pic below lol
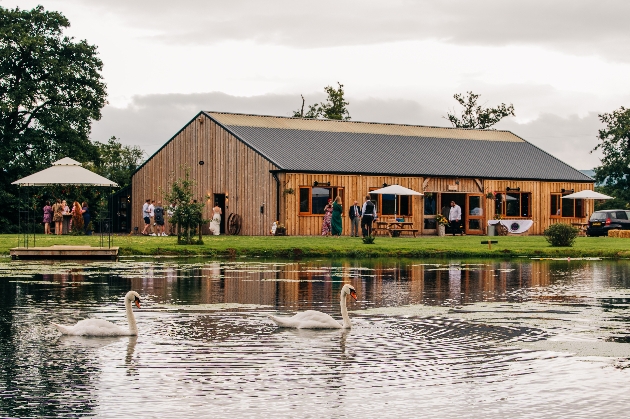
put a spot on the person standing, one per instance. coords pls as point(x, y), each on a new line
point(159, 219)
point(455, 218)
point(215, 224)
point(146, 216)
point(335, 221)
point(355, 219)
point(152, 217)
point(369, 214)
point(48, 214)
point(326, 227)
point(58, 217)
point(170, 212)
point(85, 211)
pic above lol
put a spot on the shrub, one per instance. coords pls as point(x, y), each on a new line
point(560, 234)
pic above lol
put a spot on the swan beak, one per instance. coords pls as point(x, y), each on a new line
point(353, 294)
point(137, 301)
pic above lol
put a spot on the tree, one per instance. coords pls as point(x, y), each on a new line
point(614, 173)
point(188, 214)
point(115, 161)
point(333, 108)
point(476, 117)
point(51, 90)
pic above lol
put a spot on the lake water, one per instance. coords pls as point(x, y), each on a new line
point(482, 339)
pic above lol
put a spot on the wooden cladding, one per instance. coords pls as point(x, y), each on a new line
point(245, 178)
point(230, 167)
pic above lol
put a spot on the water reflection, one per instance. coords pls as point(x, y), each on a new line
point(451, 334)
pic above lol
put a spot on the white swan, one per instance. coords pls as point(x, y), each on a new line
point(100, 327)
point(316, 319)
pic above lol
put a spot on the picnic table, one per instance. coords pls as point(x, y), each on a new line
point(396, 228)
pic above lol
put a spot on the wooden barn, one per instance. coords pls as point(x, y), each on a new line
point(264, 168)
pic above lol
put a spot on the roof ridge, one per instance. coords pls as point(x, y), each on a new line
point(361, 122)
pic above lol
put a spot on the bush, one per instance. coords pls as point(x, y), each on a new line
point(560, 234)
point(368, 239)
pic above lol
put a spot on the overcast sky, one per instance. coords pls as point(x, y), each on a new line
point(560, 62)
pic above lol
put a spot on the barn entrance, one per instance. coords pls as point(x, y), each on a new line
point(219, 199)
point(472, 211)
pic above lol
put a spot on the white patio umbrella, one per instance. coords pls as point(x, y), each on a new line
point(587, 194)
point(396, 190)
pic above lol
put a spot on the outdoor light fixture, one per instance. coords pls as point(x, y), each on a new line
point(508, 189)
point(316, 183)
point(201, 162)
point(567, 190)
point(385, 185)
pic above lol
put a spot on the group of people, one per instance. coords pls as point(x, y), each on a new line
point(54, 214)
point(154, 220)
point(359, 215)
point(154, 216)
point(366, 214)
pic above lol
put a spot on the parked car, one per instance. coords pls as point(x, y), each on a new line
point(602, 221)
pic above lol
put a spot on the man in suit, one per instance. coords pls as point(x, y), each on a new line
point(355, 219)
point(368, 215)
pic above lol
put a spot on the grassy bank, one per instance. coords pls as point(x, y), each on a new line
point(302, 246)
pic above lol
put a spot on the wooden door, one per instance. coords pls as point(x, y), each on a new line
point(474, 214)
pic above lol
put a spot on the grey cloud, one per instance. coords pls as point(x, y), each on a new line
point(575, 26)
point(151, 120)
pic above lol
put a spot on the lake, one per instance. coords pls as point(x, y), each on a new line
point(481, 339)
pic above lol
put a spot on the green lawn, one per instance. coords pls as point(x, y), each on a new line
point(316, 246)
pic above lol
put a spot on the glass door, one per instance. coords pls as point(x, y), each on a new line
point(474, 212)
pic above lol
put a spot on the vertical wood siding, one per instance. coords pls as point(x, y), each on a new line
point(230, 167)
point(234, 169)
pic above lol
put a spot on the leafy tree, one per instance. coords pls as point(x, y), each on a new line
point(476, 117)
point(614, 173)
point(51, 89)
point(188, 214)
point(333, 108)
point(115, 161)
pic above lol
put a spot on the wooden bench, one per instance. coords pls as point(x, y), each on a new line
point(395, 232)
point(490, 243)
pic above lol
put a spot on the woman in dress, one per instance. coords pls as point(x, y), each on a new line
point(77, 218)
point(215, 224)
point(58, 217)
point(336, 217)
point(48, 213)
point(328, 209)
point(85, 211)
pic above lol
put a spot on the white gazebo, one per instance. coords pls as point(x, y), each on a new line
point(64, 172)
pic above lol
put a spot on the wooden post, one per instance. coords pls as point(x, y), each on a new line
point(489, 243)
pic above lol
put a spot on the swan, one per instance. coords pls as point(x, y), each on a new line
point(100, 327)
point(316, 319)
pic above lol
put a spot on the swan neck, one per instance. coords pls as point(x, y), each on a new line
point(344, 311)
point(133, 329)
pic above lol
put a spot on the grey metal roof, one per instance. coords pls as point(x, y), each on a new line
point(303, 150)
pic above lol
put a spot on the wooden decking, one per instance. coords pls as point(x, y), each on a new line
point(65, 252)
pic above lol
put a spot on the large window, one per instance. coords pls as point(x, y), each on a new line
point(566, 207)
point(314, 199)
point(391, 204)
point(513, 204)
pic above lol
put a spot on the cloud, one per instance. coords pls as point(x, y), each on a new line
point(151, 120)
point(581, 27)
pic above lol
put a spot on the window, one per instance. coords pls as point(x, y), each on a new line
point(391, 204)
point(430, 205)
point(513, 204)
point(314, 199)
point(566, 207)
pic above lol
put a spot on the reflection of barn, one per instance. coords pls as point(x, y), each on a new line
point(267, 168)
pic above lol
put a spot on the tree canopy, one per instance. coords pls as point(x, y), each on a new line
point(51, 90)
point(335, 106)
point(116, 161)
point(475, 116)
point(614, 172)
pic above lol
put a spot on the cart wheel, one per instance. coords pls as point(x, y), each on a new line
point(234, 224)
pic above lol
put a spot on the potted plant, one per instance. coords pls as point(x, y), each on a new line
point(281, 230)
point(442, 223)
